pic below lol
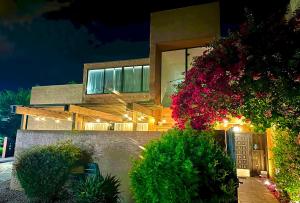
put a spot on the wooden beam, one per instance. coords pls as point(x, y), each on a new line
point(91, 112)
point(142, 109)
point(41, 112)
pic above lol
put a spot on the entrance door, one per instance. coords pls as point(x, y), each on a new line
point(242, 153)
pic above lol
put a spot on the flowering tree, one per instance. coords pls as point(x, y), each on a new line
point(255, 72)
point(206, 95)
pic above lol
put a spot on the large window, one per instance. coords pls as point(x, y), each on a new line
point(174, 65)
point(121, 79)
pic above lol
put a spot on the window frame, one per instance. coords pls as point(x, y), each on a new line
point(122, 80)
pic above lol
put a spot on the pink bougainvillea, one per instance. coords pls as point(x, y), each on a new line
point(206, 94)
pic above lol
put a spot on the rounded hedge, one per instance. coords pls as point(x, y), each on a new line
point(43, 171)
point(184, 166)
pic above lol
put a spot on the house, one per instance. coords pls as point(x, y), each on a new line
point(128, 95)
point(122, 105)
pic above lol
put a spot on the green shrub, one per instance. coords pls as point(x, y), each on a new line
point(43, 171)
point(98, 189)
point(184, 166)
point(287, 162)
point(1, 149)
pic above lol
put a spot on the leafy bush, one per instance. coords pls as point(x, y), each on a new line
point(184, 166)
point(98, 189)
point(287, 163)
point(43, 171)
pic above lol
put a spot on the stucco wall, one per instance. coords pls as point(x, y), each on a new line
point(113, 151)
point(187, 27)
point(57, 94)
point(193, 22)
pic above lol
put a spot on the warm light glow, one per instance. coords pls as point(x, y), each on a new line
point(139, 119)
point(225, 122)
point(69, 119)
point(116, 92)
point(130, 118)
point(57, 121)
point(152, 120)
point(267, 182)
point(126, 115)
point(141, 147)
point(163, 121)
point(98, 120)
point(37, 119)
point(236, 129)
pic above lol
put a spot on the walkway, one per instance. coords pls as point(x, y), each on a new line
point(5, 171)
point(253, 191)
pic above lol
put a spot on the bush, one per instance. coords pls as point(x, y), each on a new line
point(184, 166)
point(287, 162)
point(43, 171)
point(98, 189)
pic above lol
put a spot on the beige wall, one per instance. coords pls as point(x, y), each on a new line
point(57, 94)
point(113, 151)
point(177, 29)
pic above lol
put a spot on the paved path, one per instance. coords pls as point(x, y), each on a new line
point(253, 191)
point(5, 171)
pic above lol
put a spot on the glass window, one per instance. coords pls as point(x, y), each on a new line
point(132, 79)
point(126, 79)
point(137, 78)
point(118, 79)
point(109, 80)
point(146, 77)
point(172, 73)
point(193, 53)
point(95, 81)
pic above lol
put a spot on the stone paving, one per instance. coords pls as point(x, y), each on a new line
point(253, 191)
point(5, 171)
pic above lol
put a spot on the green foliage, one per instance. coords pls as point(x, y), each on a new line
point(184, 166)
point(9, 123)
point(287, 161)
point(43, 171)
point(98, 189)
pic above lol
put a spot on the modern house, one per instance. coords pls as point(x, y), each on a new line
point(128, 95)
point(122, 105)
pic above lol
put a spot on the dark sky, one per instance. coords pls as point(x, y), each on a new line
point(44, 42)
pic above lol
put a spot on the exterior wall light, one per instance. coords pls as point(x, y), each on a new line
point(236, 129)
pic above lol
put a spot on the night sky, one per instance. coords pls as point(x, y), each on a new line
point(45, 42)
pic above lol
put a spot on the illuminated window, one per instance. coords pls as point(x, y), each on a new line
point(121, 79)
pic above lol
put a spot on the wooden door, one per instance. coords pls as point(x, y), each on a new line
point(243, 153)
